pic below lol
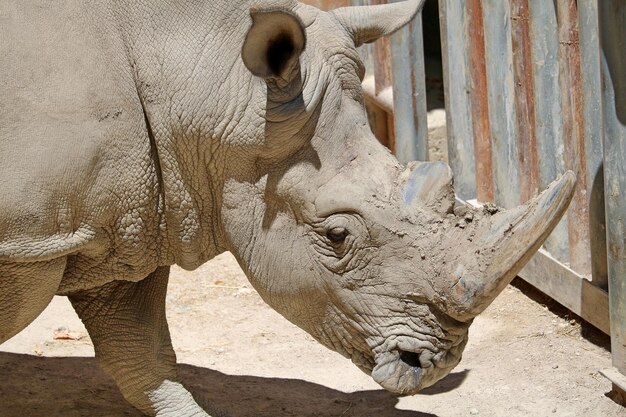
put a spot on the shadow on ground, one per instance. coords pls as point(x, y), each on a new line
point(70, 387)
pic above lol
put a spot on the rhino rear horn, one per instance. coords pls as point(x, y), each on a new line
point(368, 23)
point(429, 184)
point(274, 42)
point(503, 245)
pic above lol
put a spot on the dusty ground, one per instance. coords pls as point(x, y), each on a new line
point(522, 360)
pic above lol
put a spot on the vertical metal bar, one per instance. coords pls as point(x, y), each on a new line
point(409, 92)
point(573, 133)
point(524, 99)
point(454, 29)
point(592, 110)
point(548, 113)
point(479, 102)
point(501, 93)
point(613, 38)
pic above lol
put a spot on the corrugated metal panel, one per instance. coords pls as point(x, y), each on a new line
point(541, 60)
point(573, 133)
point(522, 64)
point(613, 27)
point(548, 112)
point(528, 66)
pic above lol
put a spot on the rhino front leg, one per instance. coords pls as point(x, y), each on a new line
point(127, 324)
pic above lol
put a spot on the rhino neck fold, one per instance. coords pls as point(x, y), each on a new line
point(195, 110)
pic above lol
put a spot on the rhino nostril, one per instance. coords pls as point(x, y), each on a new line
point(410, 358)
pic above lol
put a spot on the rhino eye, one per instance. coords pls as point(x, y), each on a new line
point(337, 234)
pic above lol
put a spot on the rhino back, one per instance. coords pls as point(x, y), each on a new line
point(74, 152)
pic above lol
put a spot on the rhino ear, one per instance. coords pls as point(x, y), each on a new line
point(368, 23)
point(274, 43)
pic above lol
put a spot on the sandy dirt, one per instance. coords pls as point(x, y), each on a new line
point(522, 360)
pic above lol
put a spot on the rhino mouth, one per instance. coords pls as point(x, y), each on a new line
point(410, 358)
point(407, 368)
point(399, 371)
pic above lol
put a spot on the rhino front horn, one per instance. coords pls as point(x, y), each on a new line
point(502, 245)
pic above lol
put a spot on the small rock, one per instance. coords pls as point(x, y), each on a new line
point(63, 333)
point(474, 412)
point(490, 208)
point(460, 211)
point(555, 366)
point(245, 291)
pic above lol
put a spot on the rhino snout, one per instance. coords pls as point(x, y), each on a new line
point(406, 367)
point(399, 371)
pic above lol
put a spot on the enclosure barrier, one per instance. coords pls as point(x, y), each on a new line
point(532, 88)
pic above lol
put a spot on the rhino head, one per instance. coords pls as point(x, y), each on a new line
point(372, 258)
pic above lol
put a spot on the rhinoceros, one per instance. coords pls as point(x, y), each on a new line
point(135, 135)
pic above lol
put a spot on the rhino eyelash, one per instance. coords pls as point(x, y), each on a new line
point(341, 247)
point(325, 246)
point(339, 236)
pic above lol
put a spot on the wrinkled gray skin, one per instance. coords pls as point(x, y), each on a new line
point(135, 135)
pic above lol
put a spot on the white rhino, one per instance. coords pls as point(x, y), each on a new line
point(135, 135)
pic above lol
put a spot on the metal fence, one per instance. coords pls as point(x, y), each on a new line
point(532, 88)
